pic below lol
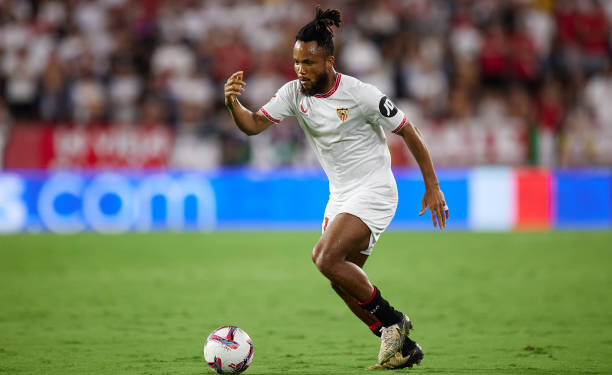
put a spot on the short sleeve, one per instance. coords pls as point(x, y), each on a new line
point(379, 109)
point(279, 106)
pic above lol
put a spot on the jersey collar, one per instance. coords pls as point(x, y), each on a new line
point(333, 89)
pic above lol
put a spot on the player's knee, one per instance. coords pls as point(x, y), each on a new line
point(316, 250)
point(325, 267)
point(326, 263)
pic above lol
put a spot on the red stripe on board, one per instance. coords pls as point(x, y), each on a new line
point(533, 199)
point(268, 116)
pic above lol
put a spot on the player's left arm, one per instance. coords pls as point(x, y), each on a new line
point(380, 110)
point(433, 198)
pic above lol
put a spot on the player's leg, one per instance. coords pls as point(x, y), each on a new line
point(411, 352)
point(344, 237)
point(347, 236)
point(358, 259)
point(365, 316)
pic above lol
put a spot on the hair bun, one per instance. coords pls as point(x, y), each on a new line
point(330, 17)
point(320, 29)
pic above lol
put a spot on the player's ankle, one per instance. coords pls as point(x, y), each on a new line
point(381, 309)
point(376, 328)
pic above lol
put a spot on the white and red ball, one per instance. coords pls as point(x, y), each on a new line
point(228, 350)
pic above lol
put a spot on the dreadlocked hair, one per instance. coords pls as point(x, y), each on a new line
point(320, 29)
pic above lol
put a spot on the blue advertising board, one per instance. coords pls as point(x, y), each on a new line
point(583, 199)
point(74, 201)
point(246, 199)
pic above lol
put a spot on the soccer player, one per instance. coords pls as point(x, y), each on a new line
point(343, 119)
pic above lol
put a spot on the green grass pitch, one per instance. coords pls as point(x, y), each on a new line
point(482, 303)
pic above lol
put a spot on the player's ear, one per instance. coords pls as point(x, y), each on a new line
point(329, 62)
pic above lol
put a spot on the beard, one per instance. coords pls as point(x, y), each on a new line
point(318, 85)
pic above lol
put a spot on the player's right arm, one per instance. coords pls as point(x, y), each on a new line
point(248, 122)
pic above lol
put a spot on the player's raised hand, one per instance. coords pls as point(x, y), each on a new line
point(234, 87)
point(434, 200)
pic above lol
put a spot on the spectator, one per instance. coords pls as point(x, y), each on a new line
point(597, 94)
point(194, 148)
point(174, 57)
point(578, 140)
point(592, 34)
point(493, 58)
point(426, 81)
point(465, 39)
point(54, 101)
point(123, 92)
point(21, 84)
point(87, 94)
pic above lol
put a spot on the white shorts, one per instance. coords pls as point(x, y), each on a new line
point(375, 209)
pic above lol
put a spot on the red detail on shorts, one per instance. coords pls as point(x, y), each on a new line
point(370, 299)
point(325, 224)
point(333, 90)
point(400, 125)
point(268, 116)
point(375, 326)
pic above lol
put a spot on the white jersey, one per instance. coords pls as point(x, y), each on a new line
point(345, 130)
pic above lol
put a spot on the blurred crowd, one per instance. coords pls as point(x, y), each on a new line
point(487, 81)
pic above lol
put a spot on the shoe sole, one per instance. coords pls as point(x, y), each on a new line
point(414, 358)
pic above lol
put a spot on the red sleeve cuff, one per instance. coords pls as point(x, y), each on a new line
point(268, 116)
point(400, 125)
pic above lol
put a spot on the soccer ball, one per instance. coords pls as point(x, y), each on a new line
point(228, 350)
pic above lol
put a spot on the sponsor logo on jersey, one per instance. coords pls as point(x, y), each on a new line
point(304, 110)
point(343, 113)
point(386, 107)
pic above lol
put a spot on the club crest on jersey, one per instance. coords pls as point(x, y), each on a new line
point(343, 113)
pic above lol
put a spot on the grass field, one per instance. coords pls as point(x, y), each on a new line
point(511, 303)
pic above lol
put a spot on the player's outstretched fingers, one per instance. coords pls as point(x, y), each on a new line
point(235, 78)
point(423, 208)
point(235, 84)
point(441, 218)
point(234, 88)
point(237, 74)
point(433, 216)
